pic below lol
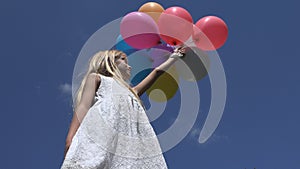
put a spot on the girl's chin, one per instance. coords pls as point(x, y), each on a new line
point(127, 78)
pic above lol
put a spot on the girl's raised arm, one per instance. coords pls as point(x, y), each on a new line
point(92, 83)
point(153, 76)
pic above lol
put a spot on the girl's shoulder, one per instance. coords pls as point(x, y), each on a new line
point(94, 76)
point(99, 77)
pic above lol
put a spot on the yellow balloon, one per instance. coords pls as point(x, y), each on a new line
point(167, 83)
point(153, 9)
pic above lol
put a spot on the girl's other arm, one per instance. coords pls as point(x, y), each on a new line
point(88, 94)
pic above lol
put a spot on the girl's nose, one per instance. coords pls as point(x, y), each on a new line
point(129, 67)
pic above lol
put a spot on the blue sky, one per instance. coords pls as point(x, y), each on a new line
point(40, 42)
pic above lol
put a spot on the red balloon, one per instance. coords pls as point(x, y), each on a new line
point(210, 33)
point(139, 30)
point(175, 25)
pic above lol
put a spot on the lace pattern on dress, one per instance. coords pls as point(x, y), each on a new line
point(115, 134)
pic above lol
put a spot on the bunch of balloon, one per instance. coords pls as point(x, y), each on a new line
point(159, 31)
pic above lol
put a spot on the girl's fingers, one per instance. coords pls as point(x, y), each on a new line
point(182, 50)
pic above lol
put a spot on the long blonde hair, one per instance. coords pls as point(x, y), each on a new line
point(103, 63)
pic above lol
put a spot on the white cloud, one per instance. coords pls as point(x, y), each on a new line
point(66, 88)
point(195, 133)
point(216, 138)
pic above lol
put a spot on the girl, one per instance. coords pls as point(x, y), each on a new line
point(110, 129)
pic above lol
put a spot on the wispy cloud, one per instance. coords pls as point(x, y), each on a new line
point(216, 138)
point(66, 93)
point(195, 133)
point(66, 89)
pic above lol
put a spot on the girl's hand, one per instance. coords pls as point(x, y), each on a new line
point(178, 52)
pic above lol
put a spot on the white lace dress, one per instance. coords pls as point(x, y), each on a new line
point(115, 134)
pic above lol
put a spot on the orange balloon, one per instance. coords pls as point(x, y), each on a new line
point(153, 9)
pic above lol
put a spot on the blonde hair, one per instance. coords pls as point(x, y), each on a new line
point(103, 63)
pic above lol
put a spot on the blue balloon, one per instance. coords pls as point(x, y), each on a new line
point(140, 76)
point(121, 44)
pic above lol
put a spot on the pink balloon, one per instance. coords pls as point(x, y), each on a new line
point(210, 33)
point(139, 30)
point(175, 25)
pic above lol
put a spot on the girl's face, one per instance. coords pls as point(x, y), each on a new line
point(125, 69)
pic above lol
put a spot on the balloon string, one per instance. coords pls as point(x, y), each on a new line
point(189, 42)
